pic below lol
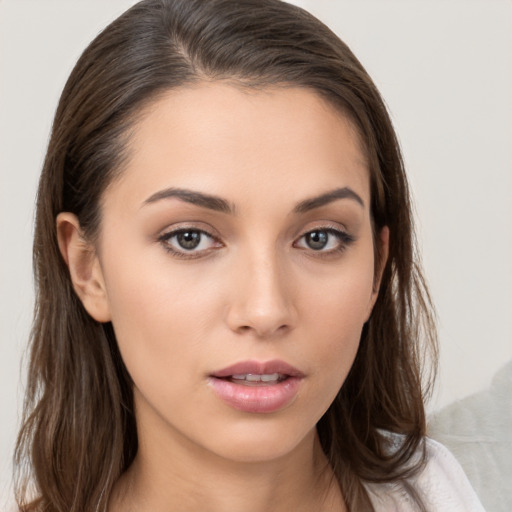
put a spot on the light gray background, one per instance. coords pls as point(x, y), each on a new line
point(444, 68)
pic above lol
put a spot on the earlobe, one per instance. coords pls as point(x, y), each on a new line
point(84, 267)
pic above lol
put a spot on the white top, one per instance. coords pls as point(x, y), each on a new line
point(442, 485)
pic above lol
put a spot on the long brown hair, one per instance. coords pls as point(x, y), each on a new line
point(78, 433)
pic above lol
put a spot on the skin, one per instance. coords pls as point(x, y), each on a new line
point(253, 290)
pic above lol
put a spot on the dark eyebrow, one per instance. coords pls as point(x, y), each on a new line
point(198, 198)
point(328, 197)
point(221, 205)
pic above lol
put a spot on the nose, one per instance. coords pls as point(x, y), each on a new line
point(263, 298)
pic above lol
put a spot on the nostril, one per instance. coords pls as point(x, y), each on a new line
point(262, 331)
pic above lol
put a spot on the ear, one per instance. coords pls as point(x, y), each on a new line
point(84, 267)
point(383, 251)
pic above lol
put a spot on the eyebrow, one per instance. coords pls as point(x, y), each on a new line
point(328, 197)
point(221, 205)
point(189, 196)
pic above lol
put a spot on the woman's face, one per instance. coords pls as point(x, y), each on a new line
point(236, 261)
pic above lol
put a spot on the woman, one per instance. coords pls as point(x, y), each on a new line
point(230, 313)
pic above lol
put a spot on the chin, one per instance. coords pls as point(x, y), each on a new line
point(260, 440)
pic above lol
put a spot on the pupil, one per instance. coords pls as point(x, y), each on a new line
point(316, 239)
point(189, 239)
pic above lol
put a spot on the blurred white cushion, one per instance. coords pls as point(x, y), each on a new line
point(478, 431)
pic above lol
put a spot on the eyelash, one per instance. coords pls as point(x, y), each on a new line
point(183, 253)
point(343, 238)
point(344, 241)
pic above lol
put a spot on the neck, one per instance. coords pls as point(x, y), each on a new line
point(177, 476)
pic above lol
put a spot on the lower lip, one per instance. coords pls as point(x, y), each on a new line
point(256, 399)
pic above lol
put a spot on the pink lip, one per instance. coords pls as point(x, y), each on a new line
point(264, 398)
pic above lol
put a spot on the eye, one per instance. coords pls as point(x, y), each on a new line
point(324, 240)
point(188, 242)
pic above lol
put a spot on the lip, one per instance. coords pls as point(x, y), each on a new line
point(259, 368)
point(264, 398)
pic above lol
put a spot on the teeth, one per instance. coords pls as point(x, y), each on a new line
point(268, 378)
point(253, 377)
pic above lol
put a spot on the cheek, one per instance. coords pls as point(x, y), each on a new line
point(334, 315)
point(160, 326)
point(148, 290)
point(158, 315)
point(341, 301)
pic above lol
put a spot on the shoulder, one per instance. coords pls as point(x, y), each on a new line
point(443, 482)
point(441, 485)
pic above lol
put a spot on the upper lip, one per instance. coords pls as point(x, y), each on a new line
point(259, 368)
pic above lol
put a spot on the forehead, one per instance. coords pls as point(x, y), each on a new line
point(228, 140)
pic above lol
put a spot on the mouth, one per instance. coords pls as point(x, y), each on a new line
point(252, 379)
point(254, 371)
point(255, 387)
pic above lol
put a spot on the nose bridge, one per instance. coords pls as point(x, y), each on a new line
point(263, 301)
